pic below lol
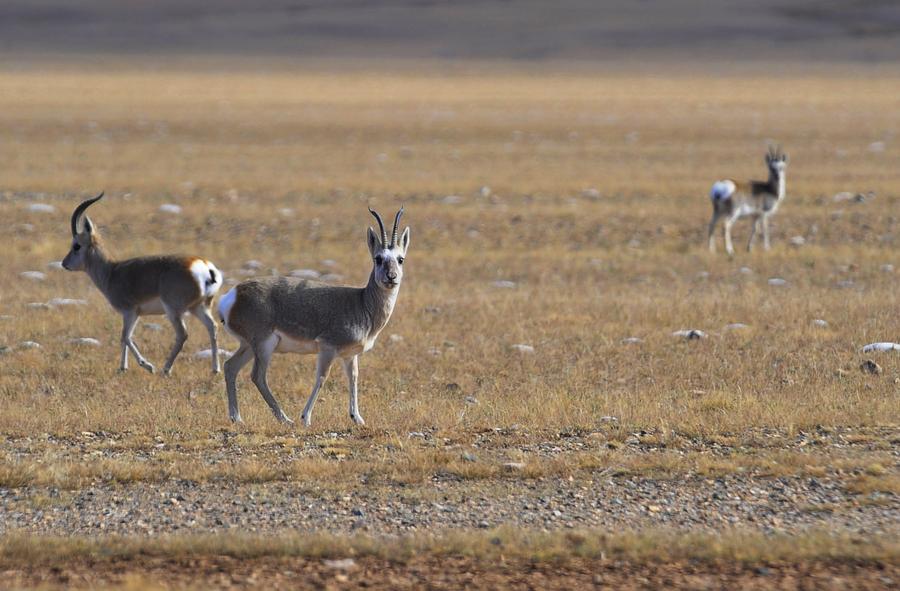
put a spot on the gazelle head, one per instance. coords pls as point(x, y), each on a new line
point(388, 257)
point(776, 160)
point(83, 240)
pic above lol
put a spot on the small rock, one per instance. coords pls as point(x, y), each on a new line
point(89, 341)
point(286, 212)
point(876, 147)
point(869, 366)
point(777, 282)
point(469, 456)
point(41, 208)
point(305, 273)
point(884, 346)
point(591, 193)
point(207, 353)
point(33, 275)
point(29, 345)
point(357, 512)
point(340, 564)
point(820, 323)
point(887, 268)
point(690, 334)
point(736, 326)
point(170, 208)
point(521, 348)
point(471, 400)
point(504, 284)
point(485, 191)
point(253, 265)
point(451, 200)
point(38, 305)
point(153, 326)
point(745, 271)
point(396, 338)
point(842, 196)
point(331, 277)
point(329, 263)
point(797, 241)
point(514, 466)
point(609, 419)
point(632, 341)
point(484, 524)
point(62, 302)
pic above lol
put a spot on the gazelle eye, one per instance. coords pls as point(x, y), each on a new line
point(76, 246)
point(400, 260)
point(379, 259)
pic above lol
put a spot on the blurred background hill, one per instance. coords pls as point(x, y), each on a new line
point(684, 31)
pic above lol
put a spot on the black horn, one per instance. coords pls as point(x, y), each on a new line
point(396, 226)
point(381, 226)
point(79, 211)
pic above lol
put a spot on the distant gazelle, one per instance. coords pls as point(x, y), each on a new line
point(290, 315)
point(170, 285)
point(754, 199)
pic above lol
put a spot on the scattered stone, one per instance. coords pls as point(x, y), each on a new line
point(591, 193)
point(153, 326)
point(632, 341)
point(471, 400)
point(887, 268)
point(820, 323)
point(33, 275)
point(340, 564)
point(41, 208)
point(745, 271)
point(736, 326)
point(396, 338)
point(38, 305)
point(504, 284)
point(286, 212)
point(869, 366)
point(89, 341)
point(609, 419)
point(331, 277)
point(514, 466)
point(884, 346)
point(777, 282)
point(253, 265)
point(329, 263)
point(876, 147)
point(207, 353)
point(170, 208)
point(797, 241)
point(62, 302)
point(469, 456)
point(703, 275)
point(305, 273)
point(521, 348)
point(690, 334)
point(451, 200)
point(485, 191)
point(29, 345)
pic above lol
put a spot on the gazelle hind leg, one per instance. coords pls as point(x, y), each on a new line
point(351, 368)
point(765, 231)
point(201, 311)
point(754, 228)
point(729, 246)
point(233, 366)
point(262, 357)
point(323, 364)
point(130, 319)
point(177, 319)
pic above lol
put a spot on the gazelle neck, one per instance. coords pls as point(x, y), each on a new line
point(98, 267)
point(777, 183)
point(378, 303)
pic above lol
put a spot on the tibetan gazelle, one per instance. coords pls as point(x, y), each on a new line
point(754, 199)
point(170, 285)
point(290, 315)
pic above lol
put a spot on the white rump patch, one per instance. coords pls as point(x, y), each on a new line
point(722, 190)
point(208, 277)
point(226, 303)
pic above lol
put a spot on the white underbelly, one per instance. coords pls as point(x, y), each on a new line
point(288, 344)
point(151, 307)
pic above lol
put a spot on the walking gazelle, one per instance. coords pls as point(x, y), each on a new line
point(291, 315)
point(754, 199)
point(170, 285)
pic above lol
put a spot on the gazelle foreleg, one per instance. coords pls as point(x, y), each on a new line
point(233, 366)
point(203, 315)
point(351, 368)
point(754, 228)
point(129, 320)
point(765, 231)
point(262, 357)
point(323, 364)
point(729, 246)
point(711, 234)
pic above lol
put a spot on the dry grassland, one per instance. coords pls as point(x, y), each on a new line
point(596, 213)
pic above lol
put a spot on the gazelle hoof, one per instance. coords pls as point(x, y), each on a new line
point(149, 367)
point(358, 420)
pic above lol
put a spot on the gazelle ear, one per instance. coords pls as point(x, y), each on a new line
point(86, 225)
point(784, 158)
point(373, 241)
point(404, 240)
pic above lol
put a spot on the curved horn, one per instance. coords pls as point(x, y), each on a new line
point(79, 211)
point(381, 226)
point(396, 225)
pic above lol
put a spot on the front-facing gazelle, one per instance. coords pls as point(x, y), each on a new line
point(754, 199)
point(170, 285)
point(290, 315)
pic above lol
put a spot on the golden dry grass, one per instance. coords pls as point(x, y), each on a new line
point(237, 150)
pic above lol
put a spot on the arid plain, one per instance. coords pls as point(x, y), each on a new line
point(529, 411)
